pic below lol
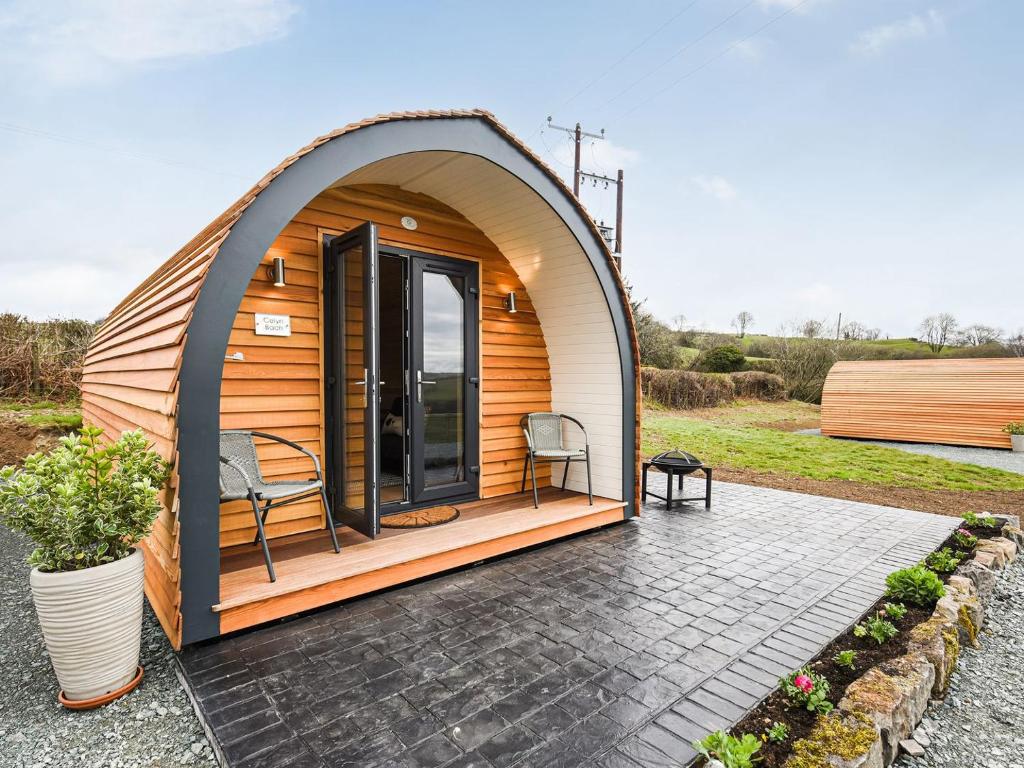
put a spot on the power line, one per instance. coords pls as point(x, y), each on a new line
point(716, 57)
point(680, 52)
point(619, 61)
point(41, 134)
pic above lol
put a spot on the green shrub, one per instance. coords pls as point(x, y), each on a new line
point(686, 389)
point(732, 752)
point(915, 585)
point(806, 688)
point(85, 503)
point(877, 628)
point(724, 359)
point(942, 561)
point(1014, 428)
point(754, 385)
point(764, 365)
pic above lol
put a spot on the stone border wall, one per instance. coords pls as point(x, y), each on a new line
point(882, 708)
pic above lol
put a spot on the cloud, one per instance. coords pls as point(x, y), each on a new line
point(819, 294)
point(73, 41)
point(716, 187)
point(873, 41)
point(749, 50)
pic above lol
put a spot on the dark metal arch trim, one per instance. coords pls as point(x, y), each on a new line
point(230, 273)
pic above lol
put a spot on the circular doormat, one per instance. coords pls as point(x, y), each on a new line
point(421, 518)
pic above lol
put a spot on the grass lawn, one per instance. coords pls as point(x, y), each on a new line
point(45, 414)
point(736, 438)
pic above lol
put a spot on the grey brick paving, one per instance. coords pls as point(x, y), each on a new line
point(616, 648)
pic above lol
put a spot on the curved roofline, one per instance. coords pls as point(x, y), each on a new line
point(247, 229)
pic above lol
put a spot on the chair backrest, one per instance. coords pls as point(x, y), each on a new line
point(545, 431)
point(238, 445)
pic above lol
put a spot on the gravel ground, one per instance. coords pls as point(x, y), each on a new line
point(152, 727)
point(981, 722)
point(984, 457)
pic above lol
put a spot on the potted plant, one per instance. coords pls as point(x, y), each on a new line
point(86, 505)
point(1015, 429)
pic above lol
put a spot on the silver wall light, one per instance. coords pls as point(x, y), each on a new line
point(510, 302)
point(276, 272)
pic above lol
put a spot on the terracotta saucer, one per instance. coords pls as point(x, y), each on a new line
point(106, 698)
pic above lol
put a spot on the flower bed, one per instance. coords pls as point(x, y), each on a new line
point(865, 692)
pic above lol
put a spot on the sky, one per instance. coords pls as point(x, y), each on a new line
point(790, 158)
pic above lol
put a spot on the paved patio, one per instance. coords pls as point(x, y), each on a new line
point(615, 648)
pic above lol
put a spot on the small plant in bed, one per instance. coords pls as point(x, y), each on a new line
point(777, 734)
point(808, 689)
point(846, 658)
point(877, 627)
point(731, 751)
point(942, 561)
point(964, 539)
point(915, 585)
point(983, 521)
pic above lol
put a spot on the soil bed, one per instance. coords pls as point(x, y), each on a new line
point(776, 708)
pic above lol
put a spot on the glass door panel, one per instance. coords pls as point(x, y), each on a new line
point(445, 380)
point(353, 375)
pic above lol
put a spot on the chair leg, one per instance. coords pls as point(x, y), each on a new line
point(330, 520)
point(565, 474)
point(590, 487)
point(707, 488)
point(263, 516)
point(526, 464)
point(533, 477)
point(262, 536)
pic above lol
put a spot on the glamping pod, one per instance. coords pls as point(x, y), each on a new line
point(340, 368)
point(963, 401)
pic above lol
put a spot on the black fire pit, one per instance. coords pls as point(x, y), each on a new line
point(677, 464)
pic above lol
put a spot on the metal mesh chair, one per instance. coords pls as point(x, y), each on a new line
point(544, 442)
point(241, 478)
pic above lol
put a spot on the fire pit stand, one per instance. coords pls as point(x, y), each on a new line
point(676, 464)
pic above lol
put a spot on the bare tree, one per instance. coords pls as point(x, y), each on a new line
point(938, 330)
point(679, 322)
point(742, 321)
point(978, 335)
point(1015, 343)
point(811, 328)
point(854, 331)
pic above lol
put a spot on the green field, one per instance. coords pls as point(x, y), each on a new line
point(732, 440)
point(45, 414)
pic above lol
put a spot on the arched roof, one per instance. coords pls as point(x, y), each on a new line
point(157, 360)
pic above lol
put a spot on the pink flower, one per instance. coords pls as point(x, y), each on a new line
point(964, 532)
point(804, 683)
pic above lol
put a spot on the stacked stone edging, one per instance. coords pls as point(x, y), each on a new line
point(891, 697)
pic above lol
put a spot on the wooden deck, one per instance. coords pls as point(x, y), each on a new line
point(310, 574)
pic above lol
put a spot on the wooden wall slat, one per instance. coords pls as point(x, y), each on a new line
point(953, 401)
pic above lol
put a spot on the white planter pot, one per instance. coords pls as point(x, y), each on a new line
point(1017, 443)
point(92, 624)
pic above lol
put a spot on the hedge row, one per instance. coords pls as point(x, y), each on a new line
point(689, 389)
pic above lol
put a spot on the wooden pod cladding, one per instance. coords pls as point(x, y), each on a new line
point(954, 401)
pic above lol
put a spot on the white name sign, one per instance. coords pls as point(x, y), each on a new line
point(273, 325)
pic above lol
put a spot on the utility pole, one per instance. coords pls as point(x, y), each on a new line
point(579, 175)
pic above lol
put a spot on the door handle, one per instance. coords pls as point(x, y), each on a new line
point(362, 383)
point(420, 381)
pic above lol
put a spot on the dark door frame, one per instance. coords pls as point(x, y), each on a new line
point(367, 521)
point(470, 272)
